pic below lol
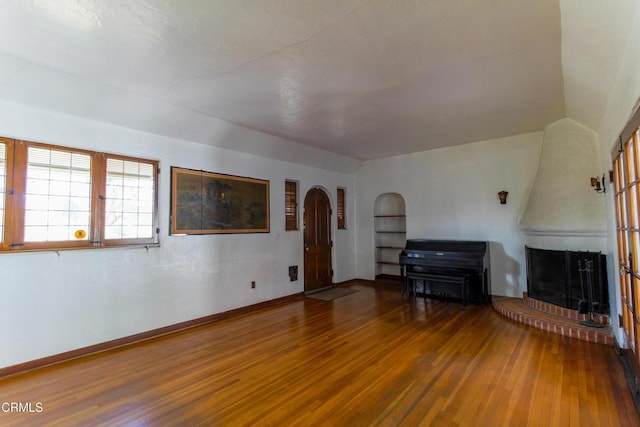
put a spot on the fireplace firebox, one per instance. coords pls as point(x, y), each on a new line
point(554, 277)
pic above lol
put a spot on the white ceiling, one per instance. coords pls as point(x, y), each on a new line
point(361, 78)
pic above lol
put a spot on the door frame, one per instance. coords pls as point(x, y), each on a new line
point(304, 244)
point(626, 200)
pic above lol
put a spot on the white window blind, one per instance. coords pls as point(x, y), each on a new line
point(129, 199)
point(57, 196)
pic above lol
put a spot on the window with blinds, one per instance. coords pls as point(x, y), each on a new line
point(57, 196)
point(129, 199)
point(54, 197)
point(342, 217)
point(291, 205)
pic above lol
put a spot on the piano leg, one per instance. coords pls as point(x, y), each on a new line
point(404, 282)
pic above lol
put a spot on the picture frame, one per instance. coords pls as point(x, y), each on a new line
point(213, 203)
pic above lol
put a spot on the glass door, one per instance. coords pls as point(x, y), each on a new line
point(626, 185)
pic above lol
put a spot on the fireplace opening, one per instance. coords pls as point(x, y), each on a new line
point(554, 277)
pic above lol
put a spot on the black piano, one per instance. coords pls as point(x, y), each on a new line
point(447, 268)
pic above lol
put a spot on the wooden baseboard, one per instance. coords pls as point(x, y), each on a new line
point(347, 282)
point(387, 277)
point(131, 339)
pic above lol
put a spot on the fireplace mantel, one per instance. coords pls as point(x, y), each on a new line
point(555, 232)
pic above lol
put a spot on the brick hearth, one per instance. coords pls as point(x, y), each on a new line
point(552, 318)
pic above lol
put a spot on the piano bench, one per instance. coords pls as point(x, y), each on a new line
point(450, 286)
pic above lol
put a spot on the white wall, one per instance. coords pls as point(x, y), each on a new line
point(55, 302)
point(623, 100)
point(451, 193)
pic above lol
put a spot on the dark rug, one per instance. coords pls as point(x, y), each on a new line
point(331, 294)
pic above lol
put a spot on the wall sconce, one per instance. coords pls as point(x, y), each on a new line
point(598, 185)
point(503, 197)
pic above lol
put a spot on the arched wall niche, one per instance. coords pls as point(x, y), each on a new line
point(390, 234)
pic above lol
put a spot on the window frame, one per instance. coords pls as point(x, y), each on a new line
point(9, 153)
point(154, 239)
point(15, 200)
point(341, 208)
point(626, 188)
point(291, 222)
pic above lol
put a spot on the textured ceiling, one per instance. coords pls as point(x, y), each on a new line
point(361, 78)
point(594, 37)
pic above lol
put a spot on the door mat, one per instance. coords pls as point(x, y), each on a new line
point(331, 294)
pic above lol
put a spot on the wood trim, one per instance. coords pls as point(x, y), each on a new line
point(388, 277)
point(291, 205)
point(132, 339)
point(8, 236)
point(48, 146)
point(632, 126)
point(348, 283)
point(624, 162)
point(102, 190)
point(98, 198)
point(341, 209)
point(16, 178)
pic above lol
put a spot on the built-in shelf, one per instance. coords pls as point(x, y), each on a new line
point(390, 236)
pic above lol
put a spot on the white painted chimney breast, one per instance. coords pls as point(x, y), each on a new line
point(563, 210)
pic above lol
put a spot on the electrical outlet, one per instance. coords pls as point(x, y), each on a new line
point(253, 284)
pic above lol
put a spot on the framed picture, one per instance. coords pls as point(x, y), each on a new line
point(213, 203)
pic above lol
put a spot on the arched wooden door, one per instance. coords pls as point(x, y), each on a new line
point(317, 241)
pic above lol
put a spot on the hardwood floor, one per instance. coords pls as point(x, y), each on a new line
point(367, 358)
